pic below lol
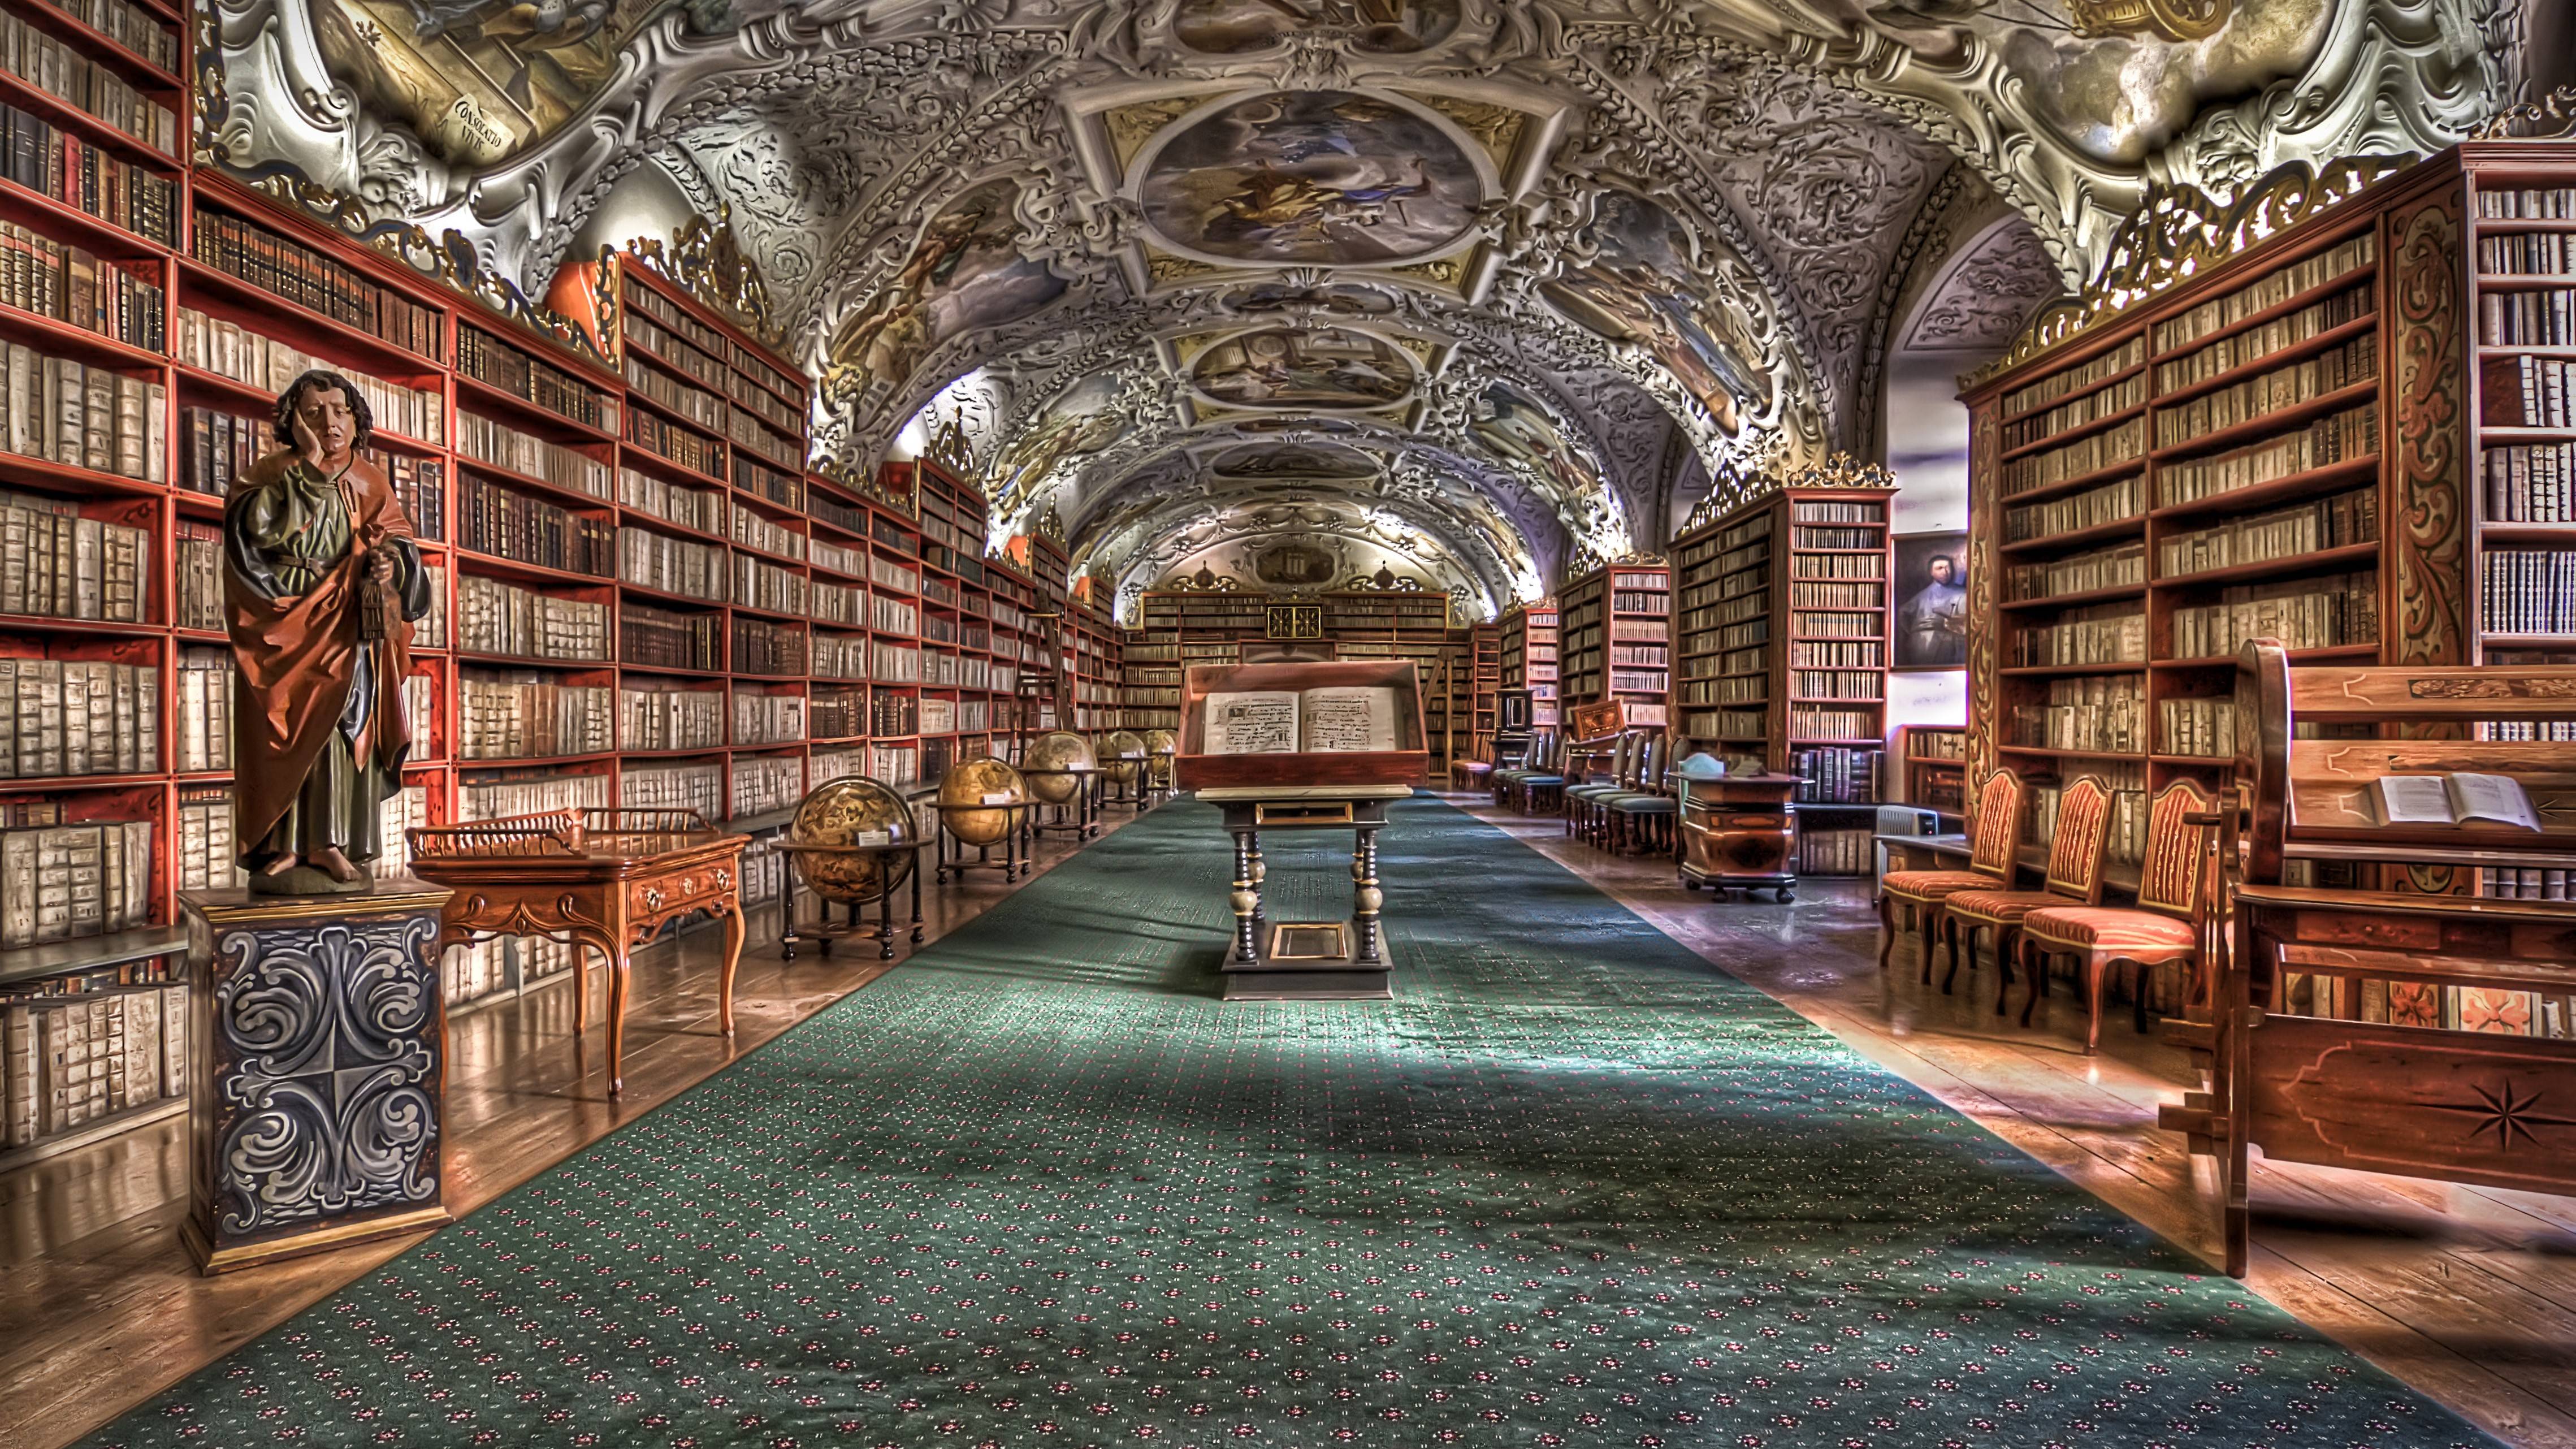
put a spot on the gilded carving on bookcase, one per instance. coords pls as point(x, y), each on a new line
point(2180, 231)
point(706, 261)
point(1836, 470)
point(2182, 20)
point(1984, 683)
point(868, 483)
point(2431, 429)
point(2552, 116)
point(1205, 581)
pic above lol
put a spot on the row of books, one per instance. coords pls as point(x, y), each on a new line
point(1836, 775)
point(2126, 839)
point(1813, 595)
point(205, 718)
point(505, 446)
point(221, 445)
point(74, 286)
point(206, 858)
point(2261, 396)
point(2267, 291)
point(312, 280)
point(673, 350)
point(2301, 613)
point(502, 794)
point(762, 783)
point(2088, 454)
point(672, 565)
point(1937, 742)
point(495, 363)
point(524, 716)
point(2337, 522)
point(762, 585)
point(63, 882)
point(505, 523)
point(2528, 253)
point(2095, 712)
point(2528, 319)
point(1820, 654)
point(55, 163)
point(2529, 203)
point(677, 444)
point(2531, 483)
point(751, 530)
point(1705, 689)
point(56, 563)
point(76, 1057)
point(651, 638)
point(839, 604)
point(2529, 591)
point(2110, 503)
point(2100, 634)
point(2094, 371)
point(2105, 568)
point(57, 410)
point(838, 713)
point(2197, 727)
point(701, 509)
point(1632, 601)
point(768, 719)
point(695, 786)
point(763, 647)
point(2029, 428)
point(1835, 538)
point(1833, 724)
point(787, 490)
point(2353, 433)
point(2501, 883)
point(1838, 566)
point(67, 717)
point(505, 619)
point(1860, 684)
point(226, 349)
point(2523, 391)
point(1833, 850)
point(2242, 349)
point(697, 405)
point(670, 719)
point(73, 78)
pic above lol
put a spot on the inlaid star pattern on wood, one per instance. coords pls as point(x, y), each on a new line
point(2505, 1110)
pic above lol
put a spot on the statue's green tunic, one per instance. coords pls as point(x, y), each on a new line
point(321, 734)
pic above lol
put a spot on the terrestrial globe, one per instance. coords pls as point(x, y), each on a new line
point(1054, 764)
point(975, 797)
point(1162, 747)
point(1122, 753)
point(833, 827)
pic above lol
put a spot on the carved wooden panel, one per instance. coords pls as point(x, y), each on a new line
point(2429, 427)
point(1985, 531)
point(2466, 1108)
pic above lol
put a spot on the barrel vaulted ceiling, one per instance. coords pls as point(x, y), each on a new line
point(1462, 290)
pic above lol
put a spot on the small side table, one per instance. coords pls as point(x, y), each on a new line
point(1738, 831)
point(1306, 960)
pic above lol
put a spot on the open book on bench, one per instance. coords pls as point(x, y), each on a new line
point(2458, 798)
point(1301, 721)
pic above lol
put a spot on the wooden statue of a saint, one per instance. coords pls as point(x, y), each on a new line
point(321, 584)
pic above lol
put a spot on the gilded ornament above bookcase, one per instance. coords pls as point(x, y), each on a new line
point(2180, 230)
point(705, 260)
point(1837, 470)
point(2183, 20)
point(2551, 117)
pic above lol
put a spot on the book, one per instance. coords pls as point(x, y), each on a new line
point(2458, 798)
point(1286, 721)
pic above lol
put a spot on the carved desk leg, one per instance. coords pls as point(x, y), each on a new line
point(1260, 873)
point(737, 929)
point(1365, 895)
point(1246, 899)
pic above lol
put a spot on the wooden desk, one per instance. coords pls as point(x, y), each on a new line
point(1738, 831)
point(1305, 960)
point(605, 879)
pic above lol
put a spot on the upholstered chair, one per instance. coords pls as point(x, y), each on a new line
point(1506, 780)
point(2168, 924)
point(1582, 802)
point(1645, 814)
point(2075, 864)
point(1991, 845)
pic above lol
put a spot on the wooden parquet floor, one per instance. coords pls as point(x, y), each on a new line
point(2468, 1294)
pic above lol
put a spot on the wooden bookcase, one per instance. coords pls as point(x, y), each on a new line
point(1484, 679)
point(1614, 633)
point(1936, 770)
point(1529, 659)
point(2294, 442)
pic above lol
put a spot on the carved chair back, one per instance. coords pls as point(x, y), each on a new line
point(1650, 766)
point(2076, 857)
point(1997, 832)
point(2175, 881)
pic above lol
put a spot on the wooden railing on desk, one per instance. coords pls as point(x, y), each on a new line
point(2420, 1101)
point(572, 830)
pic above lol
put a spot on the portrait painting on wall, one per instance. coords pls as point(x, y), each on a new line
point(1639, 288)
point(1931, 601)
point(965, 273)
point(1312, 177)
point(1394, 27)
point(1325, 367)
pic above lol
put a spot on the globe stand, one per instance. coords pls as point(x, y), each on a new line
point(952, 848)
point(1129, 792)
point(824, 932)
point(1084, 803)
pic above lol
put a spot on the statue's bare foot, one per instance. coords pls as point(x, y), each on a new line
point(280, 863)
point(336, 864)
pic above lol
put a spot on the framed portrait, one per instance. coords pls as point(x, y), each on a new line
point(1931, 601)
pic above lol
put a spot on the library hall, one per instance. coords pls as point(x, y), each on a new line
point(1052, 724)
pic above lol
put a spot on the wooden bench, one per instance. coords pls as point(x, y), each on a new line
point(2410, 1096)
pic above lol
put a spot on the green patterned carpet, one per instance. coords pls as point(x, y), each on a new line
point(1039, 1187)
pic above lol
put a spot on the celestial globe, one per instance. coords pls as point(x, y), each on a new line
point(976, 796)
point(832, 836)
point(1054, 764)
point(1122, 753)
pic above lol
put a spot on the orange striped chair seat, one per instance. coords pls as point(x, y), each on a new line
point(1992, 907)
point(1935, 883)
point(2105, 928)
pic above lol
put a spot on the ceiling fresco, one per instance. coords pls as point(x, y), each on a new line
point(1511, 276)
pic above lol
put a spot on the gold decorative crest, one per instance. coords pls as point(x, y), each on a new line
point(2181, 231)
point(2172, 19)
point(707, 262)
point(2552, 116)
point(1837, 470)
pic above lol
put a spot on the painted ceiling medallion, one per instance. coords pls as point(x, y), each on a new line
point(965, 272)
point(1639, 286)
point(1295, 460)
point(1319, 178)
point(1280, 368)
point(1384, 27)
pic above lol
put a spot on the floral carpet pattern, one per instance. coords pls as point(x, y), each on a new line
point(1039, 1186)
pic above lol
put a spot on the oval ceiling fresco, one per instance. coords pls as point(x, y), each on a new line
point(1639, 286)
point(1389, 27)
point(1295, 460)
point(1323, 367)
point(1326, 178)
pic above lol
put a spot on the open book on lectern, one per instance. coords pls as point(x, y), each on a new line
point(1298, 721)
